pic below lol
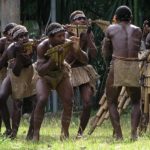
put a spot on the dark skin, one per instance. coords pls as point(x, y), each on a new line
point(86, 91)
point(145, 116)
point(127, 47)
point(147, 41)
point(64, 88)
point(146, 30)
point(20, 60)
point(4, 43)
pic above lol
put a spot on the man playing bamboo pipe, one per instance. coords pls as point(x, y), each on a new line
point(122, 44)
point(83, 75)
point(55, 74)
point(19, 80)
point(5, 41)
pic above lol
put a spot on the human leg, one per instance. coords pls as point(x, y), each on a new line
point(65, 91)
point(4, 94)
point(16, 116)
point(144, 119)
point(135, 94)
point(31, 125)
point(42, 97)
point(112, 94)
point(86, 93)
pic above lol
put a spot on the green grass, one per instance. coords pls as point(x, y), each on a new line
point(101, 139)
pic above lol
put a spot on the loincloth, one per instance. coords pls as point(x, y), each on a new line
point(3, 73)
point(126, 73)
point(24, 85)
point(55, 77)
point(84, 74)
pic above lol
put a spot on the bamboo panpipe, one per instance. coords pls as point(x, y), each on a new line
point(100, 23)
point(55, 54)
point(76, 30)
point(28, 47)
point(103, 113)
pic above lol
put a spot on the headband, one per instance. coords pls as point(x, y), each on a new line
point(56, 30)
point(21, 30)
point(78, 16)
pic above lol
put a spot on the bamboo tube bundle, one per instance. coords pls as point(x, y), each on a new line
point(57, 54)
point(122, 100)
point(76, 30)
point(28, 47)
point(102, 118)
point(103, 99)
point(103, 113)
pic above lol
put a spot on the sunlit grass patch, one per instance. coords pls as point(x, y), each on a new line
point(101, 139)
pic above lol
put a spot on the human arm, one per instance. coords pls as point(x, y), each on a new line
point(92, 49)
point(22, 59)
point(107, 48)
point(44, 64)
point(77, 52)
point(3, 59)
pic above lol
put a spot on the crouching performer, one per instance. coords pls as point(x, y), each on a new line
point(19, 82)
point(5, 41)
point(54, 73)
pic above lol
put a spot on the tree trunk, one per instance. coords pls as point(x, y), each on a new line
point(10, 12)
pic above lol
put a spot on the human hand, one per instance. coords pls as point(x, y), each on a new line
point(76, 43)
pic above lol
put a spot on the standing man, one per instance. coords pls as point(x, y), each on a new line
point(121, 46)
point(83, 75)
point(54, 73)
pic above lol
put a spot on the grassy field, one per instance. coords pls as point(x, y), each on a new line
point(101, 139)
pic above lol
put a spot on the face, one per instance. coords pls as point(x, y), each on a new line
point(58, 38)
point(146, 29)
point(80, 21)
point(23, 37)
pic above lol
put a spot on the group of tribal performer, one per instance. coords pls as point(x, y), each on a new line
point(83, 75)
point(72, 70)
point(19, 81)
point(120, 49)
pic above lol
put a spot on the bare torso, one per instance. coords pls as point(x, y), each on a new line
point(125, 38)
